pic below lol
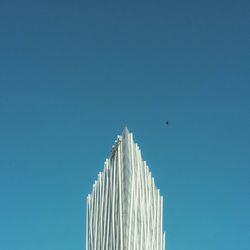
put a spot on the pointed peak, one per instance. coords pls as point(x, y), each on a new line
point(125, 131)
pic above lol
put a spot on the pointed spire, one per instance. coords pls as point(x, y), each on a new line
point(125, 132)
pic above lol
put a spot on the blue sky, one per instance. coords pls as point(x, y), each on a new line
point(73, 73)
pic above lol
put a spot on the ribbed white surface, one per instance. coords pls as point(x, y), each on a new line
point(125, 209)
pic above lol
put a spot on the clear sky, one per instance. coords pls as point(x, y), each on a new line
point(73, 73)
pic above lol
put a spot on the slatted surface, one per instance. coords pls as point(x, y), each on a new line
point(125, 208)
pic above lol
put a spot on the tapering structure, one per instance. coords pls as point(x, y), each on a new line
point(125, 209)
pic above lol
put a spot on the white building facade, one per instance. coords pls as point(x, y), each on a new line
point(125, 208)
